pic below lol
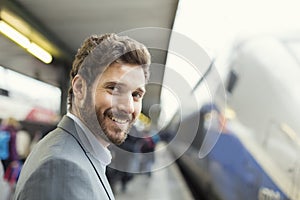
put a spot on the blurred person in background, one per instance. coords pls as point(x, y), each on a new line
point(108, 80)
point(12, 126)
point(23, 142)
point(147, 148)
point(11, 164)
point(124, 162)
point(5, 190)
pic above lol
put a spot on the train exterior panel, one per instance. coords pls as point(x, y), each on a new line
point(237, 175)
point(256, 154)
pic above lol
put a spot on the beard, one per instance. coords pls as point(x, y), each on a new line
point(99, 123)
point(114, 133)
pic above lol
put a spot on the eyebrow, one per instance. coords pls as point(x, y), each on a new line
point(142, 89)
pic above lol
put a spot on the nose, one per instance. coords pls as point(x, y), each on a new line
point(126, 104)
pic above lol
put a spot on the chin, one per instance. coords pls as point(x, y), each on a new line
point(117, 138)
point(118, 141)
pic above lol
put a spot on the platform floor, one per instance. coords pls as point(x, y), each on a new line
point(164, 184)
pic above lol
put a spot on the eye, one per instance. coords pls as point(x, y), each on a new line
point(114, 89)
point(137, 95)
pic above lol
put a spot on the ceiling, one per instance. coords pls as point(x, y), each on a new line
point(66, 23)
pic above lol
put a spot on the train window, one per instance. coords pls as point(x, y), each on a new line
point(231, 81)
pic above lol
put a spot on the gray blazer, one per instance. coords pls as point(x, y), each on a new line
point(60, 168)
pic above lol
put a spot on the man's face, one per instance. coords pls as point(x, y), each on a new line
point(118, 99)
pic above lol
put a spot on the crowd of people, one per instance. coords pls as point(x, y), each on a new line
point(15, 145)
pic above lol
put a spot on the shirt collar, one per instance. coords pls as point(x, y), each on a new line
point(91, 143)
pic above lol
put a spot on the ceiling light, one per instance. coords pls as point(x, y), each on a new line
point(14, 35)
point(39, 52)
point(24, 42)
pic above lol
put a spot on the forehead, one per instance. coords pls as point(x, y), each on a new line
point(131, 75)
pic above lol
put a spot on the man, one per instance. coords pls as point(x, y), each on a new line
point(108, 80)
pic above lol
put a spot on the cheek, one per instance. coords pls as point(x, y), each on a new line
point(103, 101)
point(137, 108)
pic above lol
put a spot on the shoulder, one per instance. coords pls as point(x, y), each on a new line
point(57, 148)
point(56, 178)
point(58, 168)
point(55, 142)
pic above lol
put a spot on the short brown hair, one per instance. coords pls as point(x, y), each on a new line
point(98, 52)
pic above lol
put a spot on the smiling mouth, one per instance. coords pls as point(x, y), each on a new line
point(118, 120)
point(118, 117)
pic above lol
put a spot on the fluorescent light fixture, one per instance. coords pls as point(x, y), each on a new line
point(40, 53)
point(14, 35)
point(24, 42)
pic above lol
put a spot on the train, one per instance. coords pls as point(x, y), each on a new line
point(253, 141)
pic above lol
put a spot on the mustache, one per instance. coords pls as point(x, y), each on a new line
point(118, 114)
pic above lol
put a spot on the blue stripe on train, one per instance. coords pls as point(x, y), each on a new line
point(236, 175)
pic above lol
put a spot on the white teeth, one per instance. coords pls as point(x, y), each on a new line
point(119, 120)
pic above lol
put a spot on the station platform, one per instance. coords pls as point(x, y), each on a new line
point(163, 184)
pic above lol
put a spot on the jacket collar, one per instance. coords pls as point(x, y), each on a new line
point(68, 125)
point(88, 143)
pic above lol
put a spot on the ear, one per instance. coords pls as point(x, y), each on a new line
point(79, 87)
